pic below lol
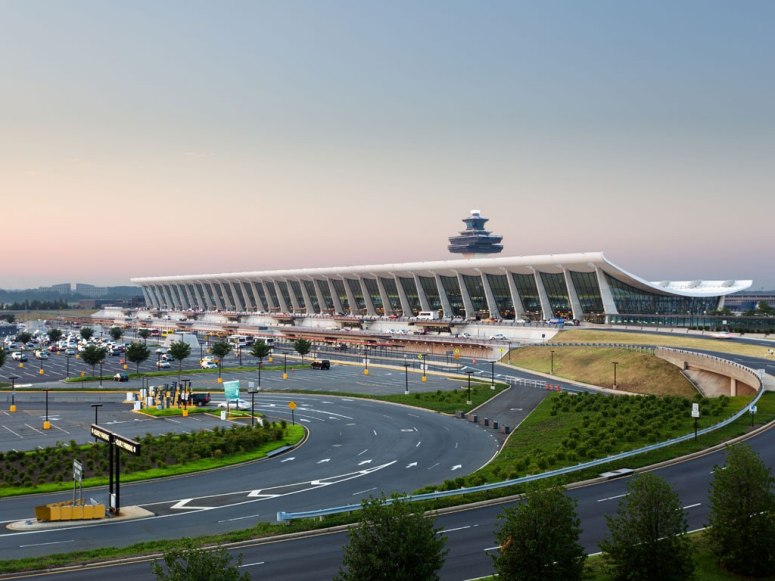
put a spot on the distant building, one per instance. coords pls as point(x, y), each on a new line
point(475, 241)
point(62, 289)
point(747, 301)
point(89, 290)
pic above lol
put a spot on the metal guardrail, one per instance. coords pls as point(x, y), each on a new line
point(283, 516)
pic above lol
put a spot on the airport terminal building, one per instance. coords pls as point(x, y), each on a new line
point(583, 286)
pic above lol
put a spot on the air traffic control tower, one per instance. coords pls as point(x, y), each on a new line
point(475, 241)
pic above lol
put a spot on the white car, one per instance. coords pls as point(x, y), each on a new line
point(18, 356)
point(235, 404)
point(208, 365)
point(163, 364)
point(40, 354)
point(499, 337)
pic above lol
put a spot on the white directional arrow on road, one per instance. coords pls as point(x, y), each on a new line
point(288, 459)
point(411, 465)
point(325, 460)
point(456, 466)
point(364, 462)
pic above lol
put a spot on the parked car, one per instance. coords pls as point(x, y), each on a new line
point(321, 364)
point(19, 356)
point(40, 354)
point(121, 376)
point(235, 404)
point(207, 364)
point(200, 399)
point(163, 364)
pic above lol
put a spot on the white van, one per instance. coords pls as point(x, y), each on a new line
point(427, 315)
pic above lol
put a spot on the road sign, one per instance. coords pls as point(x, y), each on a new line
point(753, 409)
point(419, 356)
point(77, 471)
point(695, 410)
point(292, 405)
point(231, 389)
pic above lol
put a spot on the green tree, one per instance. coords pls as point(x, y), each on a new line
point(647, 538)
point(23, 337)
point(393, 542)
point(539, 538)
point(742, 514)
point(180, 350)
point(87, 333)
point(137, 353)
point(302, 347)
point(144, 334)
point(54, 335)
point(93, 356)
point(10, 317)
point(220, 349)
point(260, 350)
point(116, 333)
point(189, 561)
point(764, 308)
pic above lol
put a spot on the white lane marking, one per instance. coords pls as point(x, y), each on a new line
point(434, 466)
point(455, 445)
point(613, 497)
point(35, 429)
point(305, 421)
point(695, 505)
point(364, 491)
point(365, 462)
point(14, 433)
point(288, 459)
point(411, 465)
point(43, 544)
point(456, 467)
point(251, 564)
point(324, 460)
point(183, 505)
point(418, 444)
point(60, 429)
point(458, 529)
point(375, 432)
point(238, 518)
point(362, 453)
point(408, 430)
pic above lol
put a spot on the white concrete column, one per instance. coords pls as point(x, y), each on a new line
point(467, 304)
point(294, 299)
point(492, 304)
point(200, 302)
point(146, 296)
point(609, 305)
point(405, 305)
point(338, 308)
point(578, 312)
point(350, 296)
point(546, 306)
point(216, 295)
point(280, 298)
point(170, 304)
point(256, 297)
point(425, 306)
point(367, 297)
point(516, 300)
point(386, 306)
point(269, 300)
point(189, 296)
point(307, 299)
point(246, 297)
point(319, 294)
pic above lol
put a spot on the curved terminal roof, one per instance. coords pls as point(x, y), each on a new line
point(549, 263)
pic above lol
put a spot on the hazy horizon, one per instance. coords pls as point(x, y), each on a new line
point(150, 139)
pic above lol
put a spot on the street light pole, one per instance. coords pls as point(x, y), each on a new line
point(551, 365)
point(406, 378)
point(96, 406)
point(366, 359)
point(67, 358)
point(469, 372)
point(615, 363)
point(424, 367)
point(13, 379)
point(285, 366)
point(46, 424)
point(252, 407)
point(100, 373)
point(492, 374)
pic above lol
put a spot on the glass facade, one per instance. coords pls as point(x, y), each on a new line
point(410, 290)
point(341, 294)
point(373, 290)
point(326, 292)
point(475, 290)
point(557, 291)
point(588, 293)
point(499, 285)
point(260, 292)
point(283, 288)
point(454, 296)
point(355, 288)
point(273, 294)
point(528, 293)
point(391, 290)
point(246, 304)
point(634, 301)
point(313, 296)
point(431, 292)
point(228, 299)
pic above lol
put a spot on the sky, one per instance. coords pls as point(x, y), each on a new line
point(153, 138)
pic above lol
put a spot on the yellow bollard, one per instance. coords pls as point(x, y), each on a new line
point(13, 408)
point(285, 376)
point(365, 372)
point(46, 425)
point(185, 413)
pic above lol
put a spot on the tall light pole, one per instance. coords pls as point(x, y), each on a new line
point(252, 391)
point(615, 363)
point(13, 379)
point(492, 374)
point(67, 358)
point(424, 368)
point(366, 359)
point(96, 407)
point(100, 374)
point(551, 365)
point(406, 378)
point(46, 423)
point(285, 366)
point(469, 372)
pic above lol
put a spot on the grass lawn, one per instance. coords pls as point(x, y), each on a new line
point(677, 340)
point(636, 371)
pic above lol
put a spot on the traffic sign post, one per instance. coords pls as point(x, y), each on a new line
point(292, 406)
point(117, 442)
point(753, 413)
point(696, 416)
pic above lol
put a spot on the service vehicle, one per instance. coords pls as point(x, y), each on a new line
point(321, 364)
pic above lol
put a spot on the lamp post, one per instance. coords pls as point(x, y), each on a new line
point(551, 365)
point(285, 366)
point(492, 374)
point(509, 352)
point(615, 363)
point(366, 359)
point(67, 358)
point(100, 374)
point(13, 379)
point(46, 423)
point(406, 378)
point(96, 407)
point(424, 368)
point(252, 391)
point(469, 373)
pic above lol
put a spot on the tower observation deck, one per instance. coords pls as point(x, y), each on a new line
point(475, 240)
